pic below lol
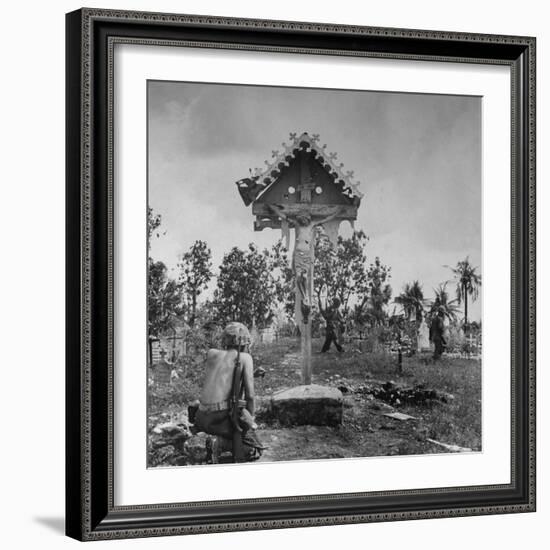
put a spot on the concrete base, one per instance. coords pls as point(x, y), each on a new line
point(312, 404)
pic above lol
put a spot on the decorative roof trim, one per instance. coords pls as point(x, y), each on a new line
point(265, 176)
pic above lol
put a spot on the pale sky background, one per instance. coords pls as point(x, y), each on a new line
point(418, 158)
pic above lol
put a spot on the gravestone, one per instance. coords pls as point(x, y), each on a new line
point(267, 335)
point(162, 370)
point(423, 337)
point(309, 404)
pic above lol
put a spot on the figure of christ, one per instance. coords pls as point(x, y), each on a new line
point(302, 257)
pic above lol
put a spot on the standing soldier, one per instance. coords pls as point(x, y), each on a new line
point(335, 326)
point(437, 329)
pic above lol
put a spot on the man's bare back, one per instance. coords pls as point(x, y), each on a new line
point(218, 380)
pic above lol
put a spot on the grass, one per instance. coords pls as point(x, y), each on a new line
point(365, 431)
point(457, 422)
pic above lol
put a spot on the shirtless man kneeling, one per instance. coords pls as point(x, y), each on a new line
point(227, 398)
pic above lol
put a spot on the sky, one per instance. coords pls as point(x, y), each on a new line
point(418, 157)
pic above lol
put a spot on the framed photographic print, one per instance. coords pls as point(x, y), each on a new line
point(300, 274)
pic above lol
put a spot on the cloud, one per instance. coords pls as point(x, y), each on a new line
point(418, 157)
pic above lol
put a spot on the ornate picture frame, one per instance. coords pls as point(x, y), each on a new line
point(90, 330)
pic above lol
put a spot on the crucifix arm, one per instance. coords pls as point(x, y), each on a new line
point(331, 217)
point(278, 210)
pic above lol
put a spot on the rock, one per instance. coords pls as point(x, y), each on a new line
point(166, 428)
point(262, 403)
point(181, 460)
point(195, 448)
point(313, 405)
point(169, 433)
point(445, 397)
point(163, 455)
point(262, 409)
point(182, 419)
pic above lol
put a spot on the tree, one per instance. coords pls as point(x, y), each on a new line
point(442, 304)
point(153, 223)
point(411, 300)
point(342, 272)
point(164, 300)
point(339, 271)
point(283, 277)
point(246, 287)
point(372, 308)
point(468, 282)
point(195, 274)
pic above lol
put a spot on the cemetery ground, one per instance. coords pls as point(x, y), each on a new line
point(442, 397)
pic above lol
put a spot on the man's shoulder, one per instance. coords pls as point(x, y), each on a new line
point(246, 358)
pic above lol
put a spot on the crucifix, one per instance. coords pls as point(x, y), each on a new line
point(302, 190)
point(303, 260)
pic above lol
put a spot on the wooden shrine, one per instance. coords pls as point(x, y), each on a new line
point(301, 188)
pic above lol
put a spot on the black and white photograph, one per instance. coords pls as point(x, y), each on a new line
point(314, 274)
point(270, 275)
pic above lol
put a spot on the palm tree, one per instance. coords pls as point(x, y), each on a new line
point(411, 300)
point(468, 282)
point(442, 304)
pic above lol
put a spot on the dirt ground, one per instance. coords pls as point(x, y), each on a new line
point(365, 430)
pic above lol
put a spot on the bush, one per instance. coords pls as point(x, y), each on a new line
point(377, 339)
point(189, 368)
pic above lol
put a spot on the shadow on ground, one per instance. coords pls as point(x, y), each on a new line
point(55, 524)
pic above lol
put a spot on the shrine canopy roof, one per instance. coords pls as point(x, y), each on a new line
point(261, 179)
